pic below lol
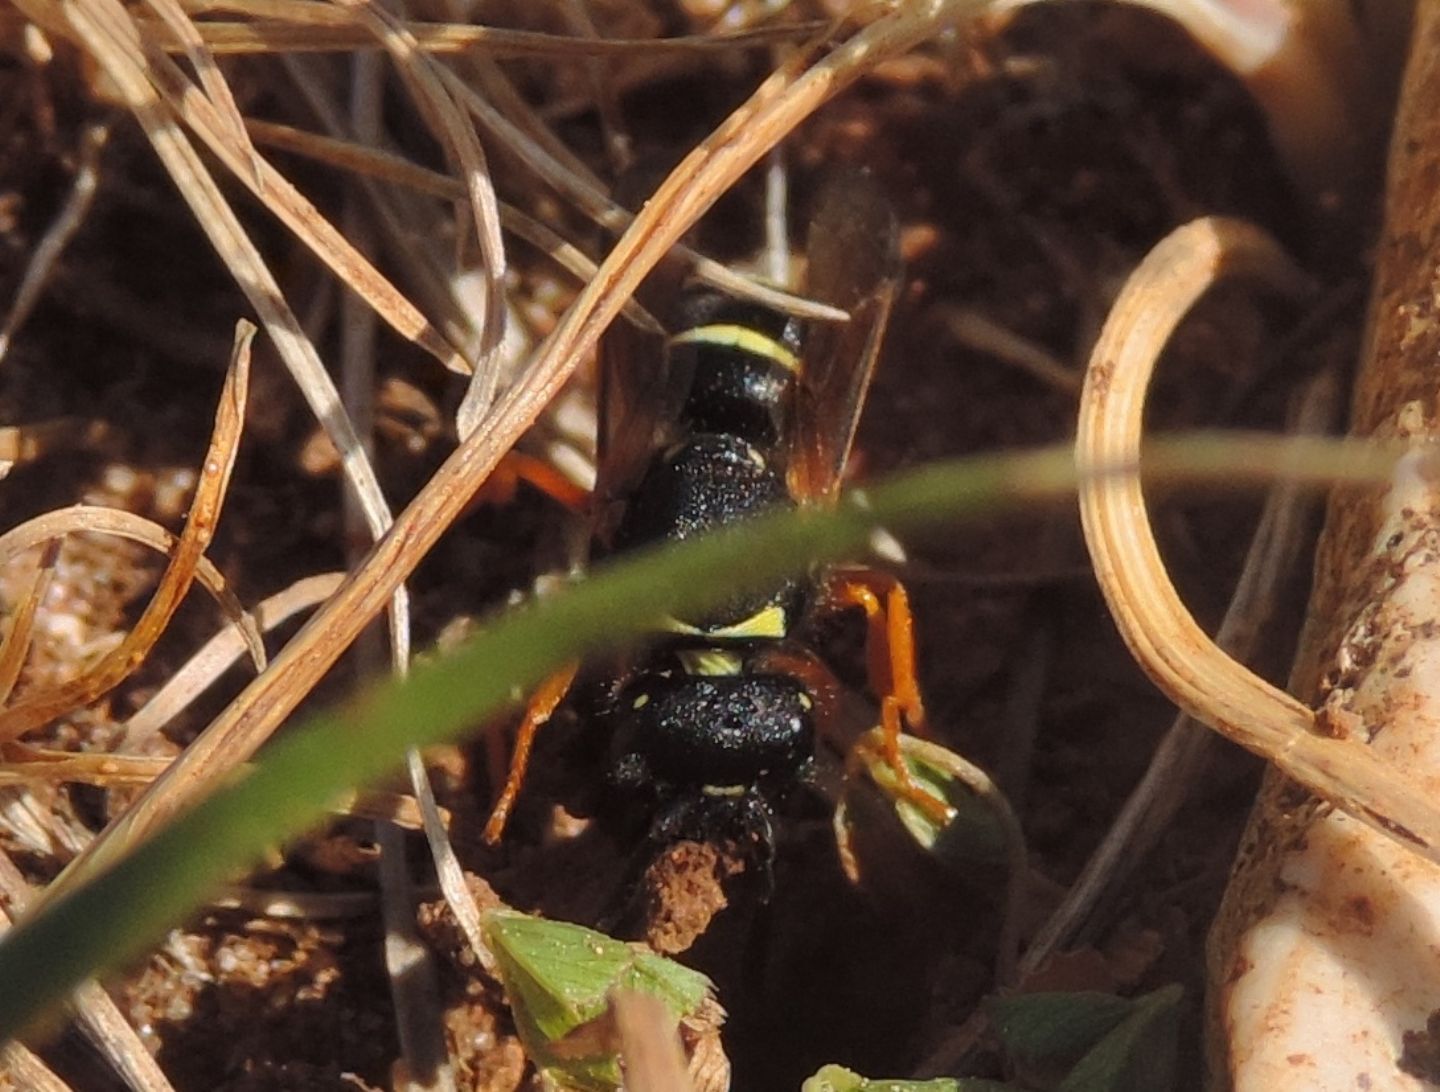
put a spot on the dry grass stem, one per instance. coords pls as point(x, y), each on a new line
point(385, 166)
point(184, 33)
point(298, 905)
point(17, 640)
point(220, 652)
point(110, 37)
point(297, 26)
point(1179, 657)
point(99, 1017)
point(403, 811)
point(969, 327)
point(619, 145)
point(88, 519)
point(21, 764)
point(146, 79)
point(46, 255)
point(416, 1009)
point(592, 200)
point(1275, 551)
point(214, 477)
point(448, 869)
point(412, 230)
point(650, 1049)
point(485, 81)
point(423, 1064)
point(22, 1071)
point(108, 34)
point(457, 137)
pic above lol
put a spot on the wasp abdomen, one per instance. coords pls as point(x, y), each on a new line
point(709, 481)
point(740, 394)
point(742, 363)
point(682, 731)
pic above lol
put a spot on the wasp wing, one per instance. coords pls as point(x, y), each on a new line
point(638, 396)
point(853, 255)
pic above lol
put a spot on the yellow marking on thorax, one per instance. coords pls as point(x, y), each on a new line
point(710, 662)
point(724, 790)
point(768, 621)
point(731, 335)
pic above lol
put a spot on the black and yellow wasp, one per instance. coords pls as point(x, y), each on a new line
point(743, 411)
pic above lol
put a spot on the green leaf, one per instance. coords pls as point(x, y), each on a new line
point(834, 1078)
point(563, 973)
point(558, 979)
point(1054, 1030)
point(1138, 1056)
point(1101, 1043)
point(973, 833)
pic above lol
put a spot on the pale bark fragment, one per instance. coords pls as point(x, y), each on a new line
point(1326, 953)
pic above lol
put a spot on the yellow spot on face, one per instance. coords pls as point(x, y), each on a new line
point(640, 702)
point(805, 702)
point(730, 335)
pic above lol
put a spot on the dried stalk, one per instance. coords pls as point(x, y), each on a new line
point(22, 623)
point(457, 137)
point(304, 27)
point(1172, 649)
point(220, 652)
point(1280, 536)
point(22, 1071)
point(1323, 960)
point(650, 1046)
point(90, 519)
point(423, 1065)
point(147, 78)
point(107, 32)
point(99, 1017)
point(36, 710)
point(46, 256)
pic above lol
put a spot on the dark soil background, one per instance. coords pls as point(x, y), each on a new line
point(1032, 167)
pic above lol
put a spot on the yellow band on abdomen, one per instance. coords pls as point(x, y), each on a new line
point(729, 335)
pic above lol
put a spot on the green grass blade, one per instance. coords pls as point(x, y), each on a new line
point(122, 911)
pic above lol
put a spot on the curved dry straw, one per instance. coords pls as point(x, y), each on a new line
point(33, 711)
point(1172, 649)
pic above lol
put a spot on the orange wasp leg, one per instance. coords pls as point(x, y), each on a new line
point(890, 665)
point(499, 489)
point(516, 467)
point(538, 710)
